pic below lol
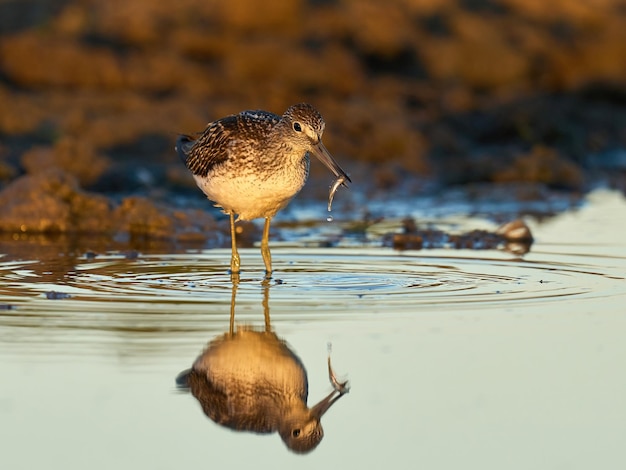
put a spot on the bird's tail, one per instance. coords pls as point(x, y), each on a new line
point(182, 380)
point(183, 146)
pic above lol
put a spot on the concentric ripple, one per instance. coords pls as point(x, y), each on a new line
point(146, 305)
point(311, 281)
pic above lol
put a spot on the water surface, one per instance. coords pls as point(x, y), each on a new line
point(480, 359)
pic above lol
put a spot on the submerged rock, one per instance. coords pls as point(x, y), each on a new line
point(515, 231)
point(138, 216)
point(141, 217)
point(514, 237)
point(52, 201)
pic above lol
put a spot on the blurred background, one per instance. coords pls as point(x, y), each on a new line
point(418, 96)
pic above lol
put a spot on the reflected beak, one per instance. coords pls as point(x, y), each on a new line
point(322, 407)
point(327, 159)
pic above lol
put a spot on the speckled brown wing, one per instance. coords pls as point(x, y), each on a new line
point(222, 137)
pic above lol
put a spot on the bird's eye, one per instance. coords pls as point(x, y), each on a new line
point(297, 127)
point(295, 432)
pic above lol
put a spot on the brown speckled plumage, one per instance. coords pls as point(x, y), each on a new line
point(253, 163)
point(252, 381)
point(222, 138)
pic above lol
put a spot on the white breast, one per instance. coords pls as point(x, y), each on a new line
point(251, 197)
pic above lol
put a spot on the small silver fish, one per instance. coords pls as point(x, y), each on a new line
point(338, 182)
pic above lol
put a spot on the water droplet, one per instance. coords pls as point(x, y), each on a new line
point(329, 218)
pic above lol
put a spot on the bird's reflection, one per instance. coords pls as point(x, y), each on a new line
point(250, 380)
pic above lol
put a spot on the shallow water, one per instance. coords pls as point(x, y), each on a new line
point(478, 359)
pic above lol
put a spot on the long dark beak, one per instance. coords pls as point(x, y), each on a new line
point(327, 159)
point(322, 407)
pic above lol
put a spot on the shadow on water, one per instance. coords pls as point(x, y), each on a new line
point(250, 380)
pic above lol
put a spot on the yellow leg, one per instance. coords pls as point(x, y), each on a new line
point(265, 247)
point(234, 259)
point(266, 303)
point(234, 278)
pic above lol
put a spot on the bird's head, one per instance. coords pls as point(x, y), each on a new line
point(301, 429)
point(306, 127)
point(301, 434)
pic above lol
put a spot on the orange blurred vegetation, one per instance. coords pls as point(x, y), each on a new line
point(89, 75)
